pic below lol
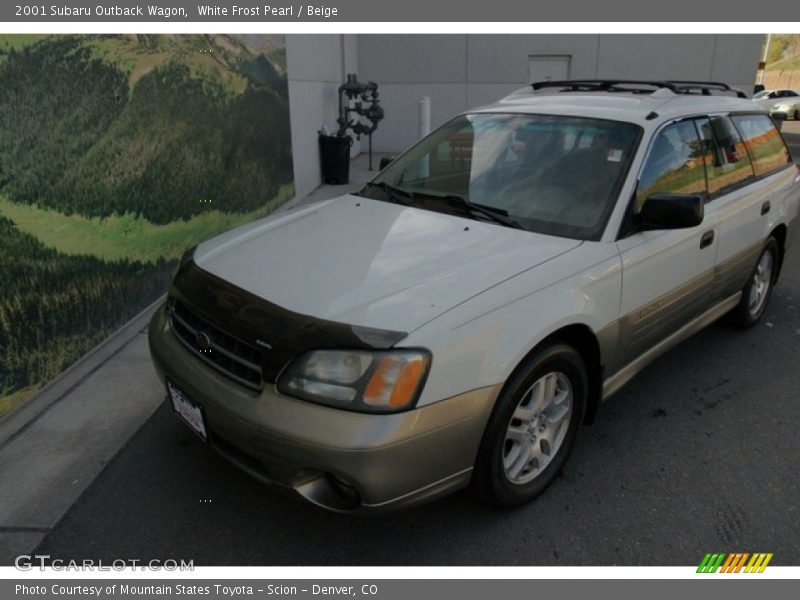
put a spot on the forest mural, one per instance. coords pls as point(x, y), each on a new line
point(116, 154)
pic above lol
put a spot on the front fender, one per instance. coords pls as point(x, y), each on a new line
point(481, 341)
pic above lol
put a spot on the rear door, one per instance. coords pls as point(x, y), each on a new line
point(741, 153)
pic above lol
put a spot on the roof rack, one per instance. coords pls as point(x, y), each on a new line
point(706, 87)
point(636, 86)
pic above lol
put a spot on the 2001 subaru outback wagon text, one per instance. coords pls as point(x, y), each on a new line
point(460, 317)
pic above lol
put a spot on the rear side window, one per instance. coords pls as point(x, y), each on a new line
point(674, 165)
point(727, 162)
point(764, 143)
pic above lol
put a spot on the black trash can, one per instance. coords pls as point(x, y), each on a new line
point(334, 151)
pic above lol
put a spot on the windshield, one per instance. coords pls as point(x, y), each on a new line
point(549, 174)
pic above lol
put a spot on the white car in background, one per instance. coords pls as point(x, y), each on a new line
point(461, 316)
point(787, 109)
point(768, 98)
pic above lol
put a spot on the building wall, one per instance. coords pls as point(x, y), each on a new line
point(463, 71)
point(316, 66)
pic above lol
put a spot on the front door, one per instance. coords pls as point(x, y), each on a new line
point(667, 276)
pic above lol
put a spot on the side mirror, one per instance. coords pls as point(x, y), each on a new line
point(671, 211)
point(385, 161)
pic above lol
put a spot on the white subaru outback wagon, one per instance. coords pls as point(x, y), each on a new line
point(457, 319)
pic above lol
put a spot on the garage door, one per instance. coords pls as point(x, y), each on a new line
point(548, 67)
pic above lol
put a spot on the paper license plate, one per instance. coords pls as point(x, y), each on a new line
point(187, 410)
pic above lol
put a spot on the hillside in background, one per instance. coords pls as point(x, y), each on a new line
point(783, 62)
point(782, 45)
point(164, 127)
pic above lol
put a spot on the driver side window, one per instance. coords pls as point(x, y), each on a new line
point(674, 165)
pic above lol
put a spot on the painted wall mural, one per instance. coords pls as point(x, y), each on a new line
point(116, 154)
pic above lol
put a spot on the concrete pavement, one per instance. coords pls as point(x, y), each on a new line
point(54, 456)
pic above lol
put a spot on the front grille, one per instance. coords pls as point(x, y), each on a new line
point(231, 356)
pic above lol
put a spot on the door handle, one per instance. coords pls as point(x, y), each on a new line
point(707, 239)
point(765, 207)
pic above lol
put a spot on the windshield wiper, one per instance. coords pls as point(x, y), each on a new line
point(493, 213)
point(395, 194)
point(406, 197)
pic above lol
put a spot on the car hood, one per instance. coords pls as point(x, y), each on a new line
point(371, 263)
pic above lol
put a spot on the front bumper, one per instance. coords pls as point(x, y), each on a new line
point(338, 459)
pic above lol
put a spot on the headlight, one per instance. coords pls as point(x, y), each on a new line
point(360, 380)
point(781, 107)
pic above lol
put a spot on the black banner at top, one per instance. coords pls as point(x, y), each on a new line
point(258, 11)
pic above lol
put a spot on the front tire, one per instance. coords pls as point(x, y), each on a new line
point(532, 428)
point(758, 290)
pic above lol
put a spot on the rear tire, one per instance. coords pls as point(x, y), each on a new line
point(758, 290)
point(532, 428)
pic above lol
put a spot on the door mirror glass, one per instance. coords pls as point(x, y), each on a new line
point(671, 211)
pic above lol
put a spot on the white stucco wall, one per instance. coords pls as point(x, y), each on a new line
point(463, 71)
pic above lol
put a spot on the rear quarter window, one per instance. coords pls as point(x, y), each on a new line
point(727, 162)
point(764, 144)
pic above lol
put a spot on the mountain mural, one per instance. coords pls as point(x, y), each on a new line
point(117, 153)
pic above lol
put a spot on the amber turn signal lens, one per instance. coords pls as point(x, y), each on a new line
point(394, 381)
point(406, 385)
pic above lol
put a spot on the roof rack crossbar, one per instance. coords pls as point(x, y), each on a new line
point(608, 85)
point(638, 86)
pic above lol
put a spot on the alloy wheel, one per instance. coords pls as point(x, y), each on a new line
point(537, 427)
point(762, 280)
